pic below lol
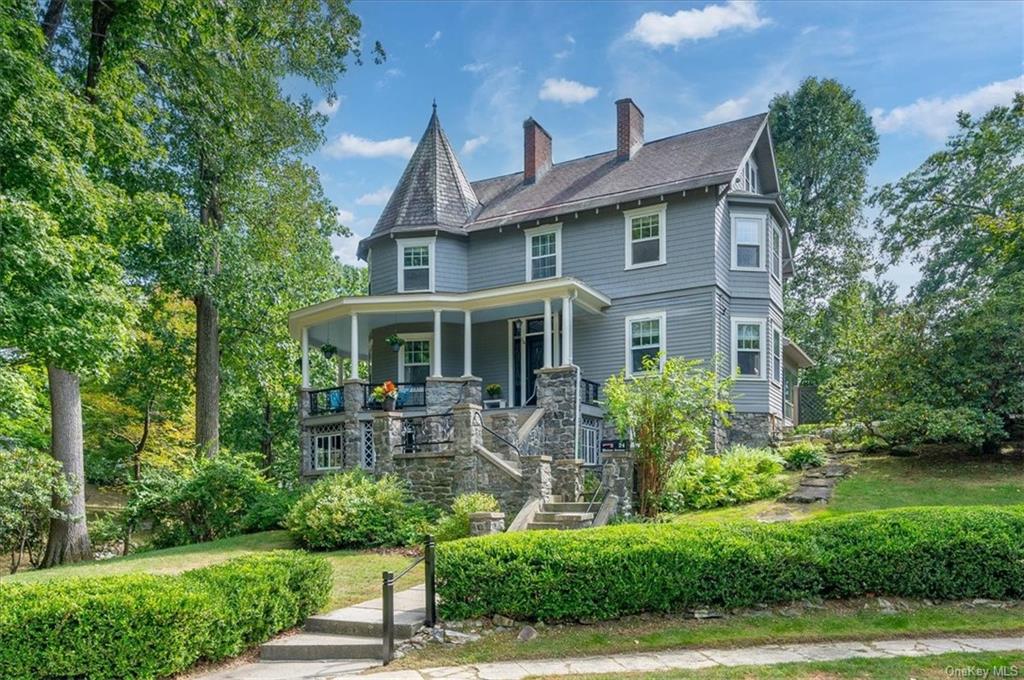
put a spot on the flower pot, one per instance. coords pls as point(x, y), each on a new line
point(389, 403)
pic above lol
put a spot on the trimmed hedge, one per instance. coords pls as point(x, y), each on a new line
point(145, 626)
point(940, 553)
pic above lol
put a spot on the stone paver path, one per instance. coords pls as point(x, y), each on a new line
point(764, 655)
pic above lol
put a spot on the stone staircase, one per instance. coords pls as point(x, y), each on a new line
point(350, 633)
point(557, 514)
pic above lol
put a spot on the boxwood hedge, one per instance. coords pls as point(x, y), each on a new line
point(145, 626)
point(942, 553)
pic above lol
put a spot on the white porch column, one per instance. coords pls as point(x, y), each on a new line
point(305, 358)
point(353, 370)
point(435, 349)
point(567, 331)
point(547, 333)
point(467, 344)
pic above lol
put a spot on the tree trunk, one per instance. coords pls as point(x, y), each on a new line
point(267, 441)
point(68, 540)
point(52, 18)
point(207, 375)
point(102, 14)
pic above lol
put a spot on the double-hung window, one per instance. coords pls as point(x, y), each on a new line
point(645, 236)
point(751, 180)
point(748, 241)
point(544, 252)
point(414, 359)
point(328, 451)
point(645, 339)
point(416, 265)
point(776, 252)
point(748, 355)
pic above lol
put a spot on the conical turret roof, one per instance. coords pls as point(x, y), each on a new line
point(433, 191)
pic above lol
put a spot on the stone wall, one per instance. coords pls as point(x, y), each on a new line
point(617, 479)
point(430, 476)
point(444, 393)
point(504, 423)
point(567, 479)
point(754, 429)
point(486, 523)
point(558, 395)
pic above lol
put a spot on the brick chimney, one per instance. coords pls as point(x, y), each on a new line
point(536, 151)
point(629, 129)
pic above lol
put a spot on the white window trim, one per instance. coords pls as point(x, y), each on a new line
point(776, 261)
point(628, 340)
point(762, 324)
point(628, 215)
point(555, 229)
point(750, 170)
point(429, 337)
point(402, 244)
point(776, 353)
point(316, 457)
point(760, 217)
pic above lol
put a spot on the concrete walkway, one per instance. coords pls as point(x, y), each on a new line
point(765, 655)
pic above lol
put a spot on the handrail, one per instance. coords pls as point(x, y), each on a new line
point(514, 447)
point(429, 560)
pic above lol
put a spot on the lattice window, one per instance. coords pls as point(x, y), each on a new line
point(369, 459)
point(590, 446)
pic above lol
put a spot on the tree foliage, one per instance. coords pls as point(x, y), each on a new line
point(29, 479)
point(666, 413)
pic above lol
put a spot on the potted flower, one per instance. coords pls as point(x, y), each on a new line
point(395, 341)
point(494, 392)
point(385, 395)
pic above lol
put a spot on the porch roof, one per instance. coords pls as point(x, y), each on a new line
point(795, 355)
point(510, 296)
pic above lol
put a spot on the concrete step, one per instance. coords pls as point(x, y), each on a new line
point(320, 647)
point(571, 507)
point(533, 526)
point(563, 517)
point(364, 621)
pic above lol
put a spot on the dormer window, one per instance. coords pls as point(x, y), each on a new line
point(751, 181)
point(748, 233)
point(544, 252)
point(416, 265)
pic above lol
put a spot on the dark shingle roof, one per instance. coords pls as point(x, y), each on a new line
point(433, 191)
point(694, 159)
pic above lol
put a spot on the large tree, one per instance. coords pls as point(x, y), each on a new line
point(825, 144)
point(63, 221)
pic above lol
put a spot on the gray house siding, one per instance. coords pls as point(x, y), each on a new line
point(496, 258)
point(450, 268)
point(383, 268)
point(757, 396)
point(384, 360)
point(744, 284)
point(490, 354)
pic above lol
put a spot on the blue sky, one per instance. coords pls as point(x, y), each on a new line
point(687, 65)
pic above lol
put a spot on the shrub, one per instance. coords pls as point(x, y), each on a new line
point(145, 626)
point(213, 499)
point(940, 553)
point(352, 510)
point(803, 455)
point(456, 525)
point(739, 475)
point(28, 481)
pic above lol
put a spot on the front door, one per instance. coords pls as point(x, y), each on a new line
point(527, 356)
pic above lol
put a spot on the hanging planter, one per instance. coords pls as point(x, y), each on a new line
point(395, 342)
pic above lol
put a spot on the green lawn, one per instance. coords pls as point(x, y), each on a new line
point(942, 666)
point(845, 621)
point(931, 478)
point(357, 574)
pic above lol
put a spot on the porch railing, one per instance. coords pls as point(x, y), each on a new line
point(426, 433)
point(410, 395)
point(589, 391)
point(330, 400)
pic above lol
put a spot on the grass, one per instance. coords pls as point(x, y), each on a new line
point(357, 574)
point(941, 666)
point(833, 622)
point(932, 478)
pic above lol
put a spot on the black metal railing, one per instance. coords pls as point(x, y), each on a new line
point(427, 433)
point(410, 395)
point(330, 400)
point(388, 597)
point(589, 391)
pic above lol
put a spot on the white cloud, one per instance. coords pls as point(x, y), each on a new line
point(345, 217)
point(571, 42)
point(659, 30)
point(378, 197)
point(730, 109)
point(936, 117)
point(433, 39)
point(566, 91)
point(471, 145)
point(347, 145)
point(328, 108)
point(345, 248)
point(475, 67)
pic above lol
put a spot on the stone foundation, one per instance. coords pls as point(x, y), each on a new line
point(442, 394)
point(486, 523)
point(754, 429)
point(567, 479)
point(430, 476)
point(617, 479)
